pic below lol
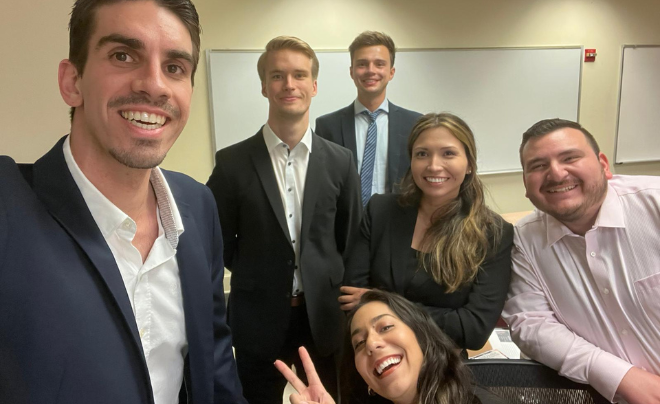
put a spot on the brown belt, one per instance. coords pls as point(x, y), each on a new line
point(297, 300)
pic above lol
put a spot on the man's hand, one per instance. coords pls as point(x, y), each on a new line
point(639, 387)
point(351, 297)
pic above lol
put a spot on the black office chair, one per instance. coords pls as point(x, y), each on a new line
point(520, 381)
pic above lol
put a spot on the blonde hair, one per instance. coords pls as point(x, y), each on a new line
point(461, 232)
point(373, 38)
point(291, 43)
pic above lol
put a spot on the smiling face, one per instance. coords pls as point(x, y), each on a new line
point(438, 165)
point(133, 98)
point(565, 178)
point(371, 70)
point(289, 85)
point(387, 354)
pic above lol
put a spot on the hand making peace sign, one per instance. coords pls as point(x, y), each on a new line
point(315, 393)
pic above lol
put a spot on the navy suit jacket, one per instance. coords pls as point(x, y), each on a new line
point(339, 127)
point(259, 251)
point(67, 330)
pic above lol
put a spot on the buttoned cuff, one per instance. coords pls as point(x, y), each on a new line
point(607, 373)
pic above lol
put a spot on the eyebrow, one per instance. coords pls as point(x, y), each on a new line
point(372, 321)
point(563, 153)
point(137, 44)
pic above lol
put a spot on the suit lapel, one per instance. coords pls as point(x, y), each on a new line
point(401, 233)
point(314, 173)
point(59, 193)
point(264, 167)
point(393, 152)
point(195, 287)
point(348, 130)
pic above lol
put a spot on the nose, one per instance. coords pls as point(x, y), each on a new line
point(435, 163)
point(373, 343)
point(288, 83)
point(556, 171)
point(152, 81)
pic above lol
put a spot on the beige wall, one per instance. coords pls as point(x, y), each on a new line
point(35, 39)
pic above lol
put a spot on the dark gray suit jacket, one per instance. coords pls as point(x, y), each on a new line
point(67, 329)
point(259, 252)
point(339, 127)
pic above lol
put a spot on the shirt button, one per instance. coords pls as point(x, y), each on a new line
point(293, 241)
point(289, 189)
point(290, 215)
point(606, 291)
point(624, 332)
point(127, 224)
point(593, 254)
point(289, 164)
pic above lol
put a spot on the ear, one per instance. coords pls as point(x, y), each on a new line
point(392, 70)
point(69, 82)
point(350, 71)
point(263, 89)
point(525, 184)
point(602, 159)
point(315, 88)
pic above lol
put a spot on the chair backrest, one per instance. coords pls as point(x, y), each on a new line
point(526, 382)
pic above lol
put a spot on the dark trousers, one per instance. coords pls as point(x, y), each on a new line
point(264, 384)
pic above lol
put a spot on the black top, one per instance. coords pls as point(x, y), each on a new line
point(383, 258)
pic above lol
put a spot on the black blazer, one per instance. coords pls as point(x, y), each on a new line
point(381, 258)
point(258, 249)
point(67, 330)
point(339, 127)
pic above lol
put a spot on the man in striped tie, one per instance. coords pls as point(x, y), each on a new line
point(374, 129)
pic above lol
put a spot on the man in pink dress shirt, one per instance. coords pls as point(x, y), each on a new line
point(584, 296)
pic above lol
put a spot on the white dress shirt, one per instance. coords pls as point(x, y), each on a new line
point(153, 287)
point(362, 121)
point(589, 306)
point(290, 166)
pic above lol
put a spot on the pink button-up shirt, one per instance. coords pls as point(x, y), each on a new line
point(590, 306)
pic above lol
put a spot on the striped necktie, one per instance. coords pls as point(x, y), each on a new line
point(369, 157)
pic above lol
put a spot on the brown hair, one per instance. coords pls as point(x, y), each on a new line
point(546, 126)
point(443, 378)
point(461, 232)
point(83, 23)
point(291, 43)
point(372, 38)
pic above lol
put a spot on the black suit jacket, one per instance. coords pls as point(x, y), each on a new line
point(67, 330)
point(382, 259)
point(339, 127)
point(258, 249)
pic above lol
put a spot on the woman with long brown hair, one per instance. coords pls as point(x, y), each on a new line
point(394, 352)
point(437, 243)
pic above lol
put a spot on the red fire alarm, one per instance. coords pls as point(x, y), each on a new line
point(590, 55)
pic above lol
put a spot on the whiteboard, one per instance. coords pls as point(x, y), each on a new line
point(638, 128)
point(499, 92)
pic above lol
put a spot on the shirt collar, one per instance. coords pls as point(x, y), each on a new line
point(272, 141)
point(109, 217)
point(359, 108)
point(610, 215)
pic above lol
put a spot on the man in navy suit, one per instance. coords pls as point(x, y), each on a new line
point(111, 268)
point(374, 129)
point(289, 206)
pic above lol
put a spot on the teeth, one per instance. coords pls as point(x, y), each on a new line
point(568, 188)
point(390, 361)
point(147, 121)
point(432, 179)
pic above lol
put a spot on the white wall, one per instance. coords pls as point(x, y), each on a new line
point(35, 39)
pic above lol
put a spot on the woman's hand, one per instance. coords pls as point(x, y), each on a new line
point(351, 297)
point(314, 393)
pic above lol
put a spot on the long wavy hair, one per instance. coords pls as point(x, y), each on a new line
point(461, 231)
point(443, 378)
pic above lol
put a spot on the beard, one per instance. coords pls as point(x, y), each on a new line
point(145, 154)
point(593, 195)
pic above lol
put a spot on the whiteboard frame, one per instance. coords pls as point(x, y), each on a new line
point(618, 109)
point(519, 170)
